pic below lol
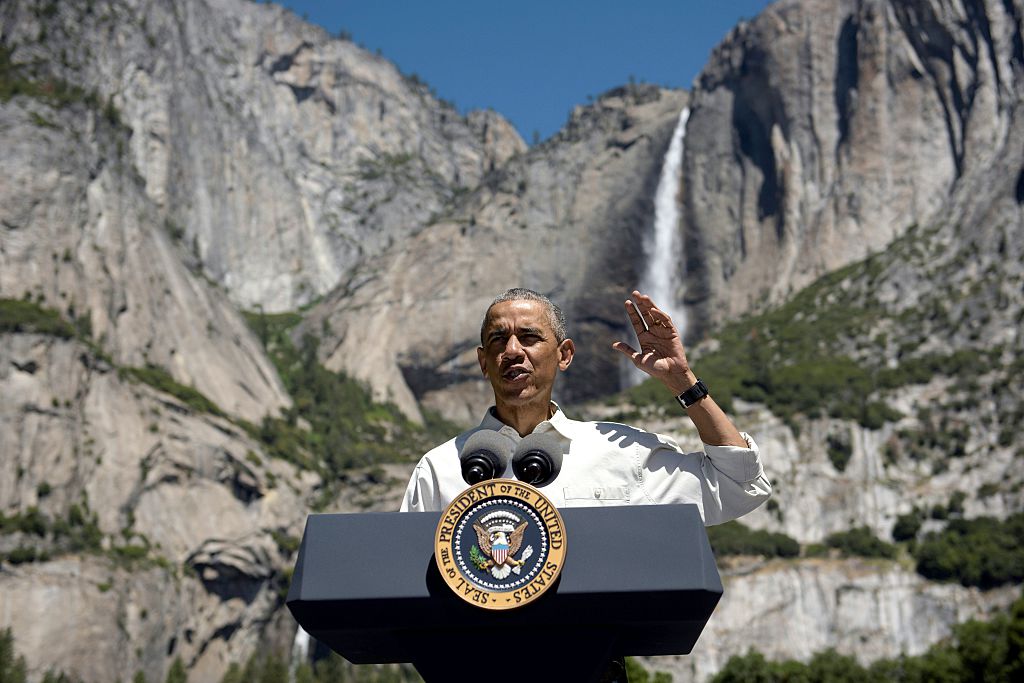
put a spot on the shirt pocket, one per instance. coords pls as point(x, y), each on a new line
point(593, 496)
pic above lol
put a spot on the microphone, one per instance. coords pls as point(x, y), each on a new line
point(484, 456)
point(538, 459)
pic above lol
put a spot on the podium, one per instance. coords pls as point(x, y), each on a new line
point(637, 580)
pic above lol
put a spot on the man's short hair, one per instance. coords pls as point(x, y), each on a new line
point(555, 316)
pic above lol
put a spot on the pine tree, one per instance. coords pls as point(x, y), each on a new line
point(177, 673)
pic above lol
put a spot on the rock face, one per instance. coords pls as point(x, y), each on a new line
point(283, 156)
point(183, 510)
point(787, 610)
point(567, 218)
point(847, 122)
point(78, 233)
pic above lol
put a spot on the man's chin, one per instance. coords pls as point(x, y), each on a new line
point(520, 397)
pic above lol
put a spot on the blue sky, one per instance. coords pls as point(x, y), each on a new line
point(533, 61)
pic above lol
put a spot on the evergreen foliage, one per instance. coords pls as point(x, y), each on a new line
point(840, 450)
point(270, 668)
point(907, 526)
point(346, 427)
point(177, 673)
point(860, 542)
point(12, 666)
point(22, 316)
point(77, 531)
point(735, 538)
point(161, 380)
point(17, 79)
point(983, 552)
point(815, 356)
point(636, 673)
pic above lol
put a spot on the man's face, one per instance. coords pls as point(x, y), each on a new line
point(520, 356)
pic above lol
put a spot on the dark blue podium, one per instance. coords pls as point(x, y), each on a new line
point(637, 580)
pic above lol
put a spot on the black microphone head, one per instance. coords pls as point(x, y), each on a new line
point(484, 456)
point(538, 459)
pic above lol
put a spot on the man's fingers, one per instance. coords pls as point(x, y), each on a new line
point(626, 350)
point(661, 318)
point(649, 312)
point(635, 317)
point(644, 301)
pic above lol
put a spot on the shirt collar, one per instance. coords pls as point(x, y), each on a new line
point(557, 422)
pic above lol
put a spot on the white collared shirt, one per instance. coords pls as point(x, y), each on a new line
point(605, 463)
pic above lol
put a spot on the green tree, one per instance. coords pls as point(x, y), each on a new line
point(749, 668)
point(907, 526)
point(983, 552)
point(735, 538)
point(12, 667)
point(304, 674)
point(860, 542)
point(177, 673)
point(636, 673)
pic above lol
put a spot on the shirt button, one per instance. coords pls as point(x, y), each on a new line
point(597, 493)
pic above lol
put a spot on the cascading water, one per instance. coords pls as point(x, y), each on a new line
point(662, 247)
point(300, 651)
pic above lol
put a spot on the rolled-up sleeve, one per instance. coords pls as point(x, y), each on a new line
point(734, 481)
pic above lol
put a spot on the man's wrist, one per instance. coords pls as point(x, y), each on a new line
point(681, 382)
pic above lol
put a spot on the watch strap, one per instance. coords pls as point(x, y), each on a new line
point(693, 394)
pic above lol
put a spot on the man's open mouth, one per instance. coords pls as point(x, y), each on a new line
point(513, 373)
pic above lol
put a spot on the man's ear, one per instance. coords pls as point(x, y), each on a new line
point(566, 351)
point(482, 360)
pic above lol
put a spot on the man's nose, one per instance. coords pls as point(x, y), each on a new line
point(512, 347)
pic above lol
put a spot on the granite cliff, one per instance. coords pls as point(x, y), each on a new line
point(849, 122)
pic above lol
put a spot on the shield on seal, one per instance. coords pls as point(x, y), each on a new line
point(499, 552)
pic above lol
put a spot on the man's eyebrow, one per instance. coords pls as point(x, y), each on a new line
point(522, 331)
point(494, 332)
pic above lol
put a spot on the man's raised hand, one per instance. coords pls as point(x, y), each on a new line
point(661, 351)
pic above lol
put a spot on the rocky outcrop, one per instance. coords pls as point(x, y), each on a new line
point(283, 157)
point(567, 219)
point(792, 610)
point(78, 234)
point(822, 130)
point(169, 533)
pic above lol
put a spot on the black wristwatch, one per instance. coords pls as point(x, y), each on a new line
point(693, 394)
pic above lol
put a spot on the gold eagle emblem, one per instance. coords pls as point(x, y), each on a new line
point(500, 538)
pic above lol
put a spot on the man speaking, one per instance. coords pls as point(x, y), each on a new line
point(523, 347)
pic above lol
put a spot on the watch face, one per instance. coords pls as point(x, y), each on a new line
point(693, 394)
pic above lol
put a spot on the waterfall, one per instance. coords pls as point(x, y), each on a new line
point(662, 247)
point(300, 651)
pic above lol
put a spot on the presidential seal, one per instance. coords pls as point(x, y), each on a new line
point(500, 544)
